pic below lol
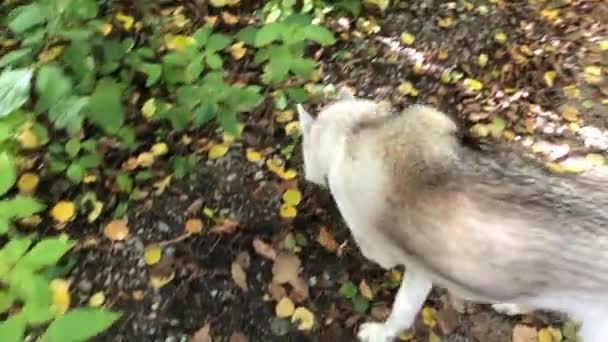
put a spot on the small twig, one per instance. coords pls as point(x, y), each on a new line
point(174, 240)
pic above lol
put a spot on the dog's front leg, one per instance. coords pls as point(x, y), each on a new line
point(415, 288)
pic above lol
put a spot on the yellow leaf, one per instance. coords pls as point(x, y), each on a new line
point(95, 212)
point(550, 15)
point(288, 174)
point(178, 42)
point(433, 337)
point(288, 211)
point(89, 177)
point(159, 149)
point(407, 88)
point(194, 226)
point(237, 50)
point(406, 335)
point(544, 335)
point(304, 318)
point(593, 74)
point(283, 116)
point(138, 295)
point(284, 308)
point(60, 289)
point(549, 77)
point(292, 197)
point(116, 230)
point(500, 37)
point(159, 281)
point(468, 5)
point(149, 108)
point(445, 22)
point(152, 254)
point(253, 155)
point(218, 3)
point(145, 159)
point(162, 184)
point(26, 137)
point(63, 211)
point(126, 20)
point(407, 38)
point(365, 290)
point(482, 60)
point(569, 113)
point(27, 183)
point(31, 221)
point(556, 334)
point(572, 91)
point(50, 54)
point(97, 299)
point(292, 127)
point(443, 54)
point(229, 18)
point(429, 315)
point(217, 151)
point(105, 28)
point(239, 276)
point(382, 4)
point(603, 45)
point(473, 84)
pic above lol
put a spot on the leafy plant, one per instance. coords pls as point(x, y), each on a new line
point(350, 291)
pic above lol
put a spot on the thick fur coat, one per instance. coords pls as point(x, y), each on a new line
point(491, 228)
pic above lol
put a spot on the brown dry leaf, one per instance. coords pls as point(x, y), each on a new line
point(238, 336)
point(524, 333)
point(226, 226)
point(229, 18)
point(239, 276)
point(286, 269)
point(145, 159)
point(276, 291)
point(203, 334)
point(569, 113)
point(116, 230)
point(238, 50)
point(264, 249)
point(194, 226)
point(326, 240)
point(365, 290)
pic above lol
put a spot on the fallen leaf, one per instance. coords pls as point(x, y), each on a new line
point(27, 183)
point(407, 88)
point(569, 113)
point(27, 138)
point(550, 14)
point(179, 42)
point(202, 334)
point(406, 335)
point(572, 91)
point(445, 22)
point(442, 55)
point(162, 184)
point(239, 276)
point(287, 211)
point(97, 299)
point(138, 295)
point(217, 151)
point(544, 335)
point(500, 37)
point(105, 28)
point(482, 60)
point(152, 254)
point(160, 281)
point(238, 336)
point(159, 149)
point(603, 45)
point(145, 159)
point(286, 269)
point(60, 289)
point(229, 18)
point(524, 333)
point(407, 38)
point(95, 212)
point(292, 197)
point(116, 230)
point(63, 211)
point(253, 155)
point(304, 318)
point(284, 308)
point(365, 290)
point(283, 116)
point(126, 20)
point(326, 240)
point(225, 226)
point(550, 77)
point(473, 84)
point(264, 249)
point(194, 226)
point(238, 50)
point(429, 316)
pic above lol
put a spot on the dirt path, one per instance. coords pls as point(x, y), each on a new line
point(202, 289)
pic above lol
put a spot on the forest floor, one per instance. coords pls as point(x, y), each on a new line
point(546, 69)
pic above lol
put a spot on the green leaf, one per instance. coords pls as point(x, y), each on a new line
point(278, 65)
point(14, 56)
point(83, 9)
point(8, 172)
point(246, 98)
point(124, 182)
point(247, 35)
point(72, 147)
point(280, 100)
point(14, 89)
point(68, 114)
point(29, 286)
point(360, 304)
point(348, 290)
point(153, 71)
point(35, 313)
point(45, 253)
point(13, 329)
point(269, 33)
point(297, 94)
point(14, 250)
point(216, 42)
point(5, 225)
point(105, 107)
point(304, 68)
point(51, 86)
point(204, 113)
point(319, 34)
point(214, 61)
point(6, 300)
point(80, 324)
point(90, 161)
point(202, 34)
point(229, 122)
point(27, 17)
point(75, 173)
point(20, 206)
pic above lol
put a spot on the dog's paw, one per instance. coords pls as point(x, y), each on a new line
point(375, 332)
point(510, 309)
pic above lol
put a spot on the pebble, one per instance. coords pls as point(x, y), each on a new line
point(258, 176)
point(163, 227)
point(85, 286)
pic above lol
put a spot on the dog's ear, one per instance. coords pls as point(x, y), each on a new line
point(306, 120)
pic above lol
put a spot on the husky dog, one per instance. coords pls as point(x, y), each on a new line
point(491, 228)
